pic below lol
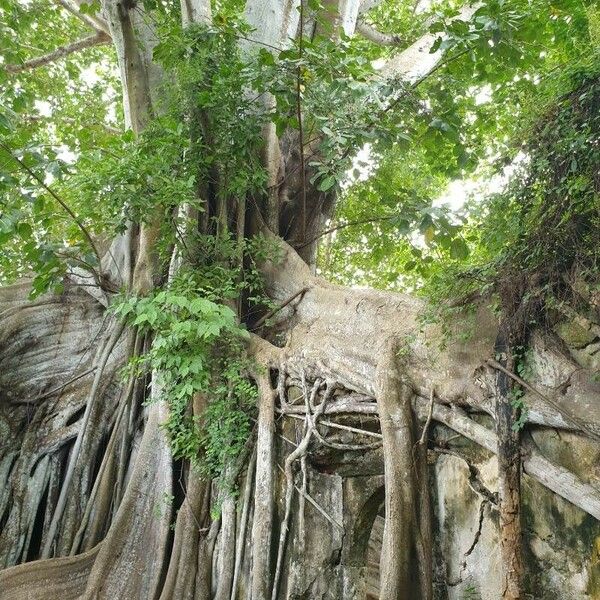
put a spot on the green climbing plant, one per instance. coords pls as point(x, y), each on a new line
point(197, 348)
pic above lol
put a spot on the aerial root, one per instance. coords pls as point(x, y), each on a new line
point(107, 458)
point(90, 405)
point(298, 453)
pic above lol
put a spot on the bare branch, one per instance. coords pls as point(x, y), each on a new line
point(340, 426)
point(274, 311)
point(95, 22)
point(578, 423)
point(97, 39)
point(374, 35)
point(416, 61)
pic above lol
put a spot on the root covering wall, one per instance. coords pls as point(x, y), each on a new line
point(139, 540)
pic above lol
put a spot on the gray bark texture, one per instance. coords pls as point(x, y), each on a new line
point(373, 471)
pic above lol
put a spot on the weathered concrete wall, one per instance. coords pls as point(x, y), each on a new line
point(562, 543)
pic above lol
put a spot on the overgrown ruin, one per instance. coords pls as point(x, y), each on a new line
point(371, 470)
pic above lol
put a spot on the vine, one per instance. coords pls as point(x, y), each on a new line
point(197, 348)
point(532, 246)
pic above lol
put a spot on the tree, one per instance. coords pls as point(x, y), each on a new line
point(184, 252)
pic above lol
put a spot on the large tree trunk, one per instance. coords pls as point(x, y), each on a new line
point(88, 481)
point(323, 343)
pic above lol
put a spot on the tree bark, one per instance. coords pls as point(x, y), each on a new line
point(368, 344)
point(509, 477)
point(405, 570)
point(262, 524)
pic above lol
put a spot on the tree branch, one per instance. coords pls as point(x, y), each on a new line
point(62, 203)
point(416, 61)
point(96, 39)
point(374, 35)
point(94, 22)
point(556, 478)
point(343, 226)
point(578, 423)
point(274, 311)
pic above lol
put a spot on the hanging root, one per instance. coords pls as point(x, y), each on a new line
point(405, 570)
point(226, 556)
point(346, 447)
point(299, 452)
point(264, 488)
point(509, 475)
point(62, 499)
point(193, 535)
point(228, 549)
point(108, 455)
point(241, 539)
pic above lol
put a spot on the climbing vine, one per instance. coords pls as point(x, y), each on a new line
point(197, 349)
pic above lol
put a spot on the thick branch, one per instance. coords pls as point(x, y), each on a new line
point(374, 35)
point(416, 61)
point(576, 422)
point(337, 332)
point(97, 39)
point(274, 21)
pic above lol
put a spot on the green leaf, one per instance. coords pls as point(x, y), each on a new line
point(24, 230)
point(459, 249)
point(90, 8)
point(326, 183)
point(6, 123)
point(429, 235)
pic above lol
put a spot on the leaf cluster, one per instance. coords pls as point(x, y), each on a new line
point(540, 232)
point(197, 352)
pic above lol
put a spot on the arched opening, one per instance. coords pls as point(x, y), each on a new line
point(374, 556)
